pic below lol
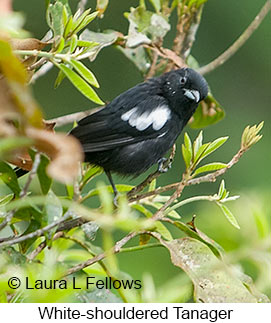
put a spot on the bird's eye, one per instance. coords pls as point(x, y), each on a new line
point(183, 80)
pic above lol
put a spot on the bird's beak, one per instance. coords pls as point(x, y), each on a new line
point(192, 95)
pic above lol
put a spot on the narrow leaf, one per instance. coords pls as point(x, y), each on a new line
point(197, 144)
point(221, 188)
point(8, 176)
point(44, 179)
point(165, 233)
point(187, 150)
point(209, 168)
point(80, 84)
point(214, 146)
point(230, 217)
point(84, 72)
point(73, 43)
point(60, 77)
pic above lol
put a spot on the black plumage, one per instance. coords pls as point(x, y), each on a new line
point(137, 128)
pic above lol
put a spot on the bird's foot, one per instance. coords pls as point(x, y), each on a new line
point(163, 165)
point(115, 200)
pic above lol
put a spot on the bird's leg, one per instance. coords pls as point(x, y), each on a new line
point(116, 193)
point(164, 164)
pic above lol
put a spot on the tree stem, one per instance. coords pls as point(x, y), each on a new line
point(239, 42)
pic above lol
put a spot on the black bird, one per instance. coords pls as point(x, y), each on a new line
point(137, 128)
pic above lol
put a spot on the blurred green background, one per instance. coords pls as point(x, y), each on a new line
point(243, 87)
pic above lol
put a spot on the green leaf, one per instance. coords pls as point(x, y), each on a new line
point(165, 233)
point(152, 185)
point(11, 143)
point(214, 246)
point(103, 39)
point(68, 27)
point(80, 84)
point(213, 280)
point(33, 226)
point(262, 224)
point(209, 168)
point(8, 176)
point(90, 174)
point(230, 217)
point(84, 72)
point(197, 143)
point(214, 146)
point(192, 62)
point(13, 256)
point(208, 112)
point(73, 43)
point(158, 206)
point(187, 150)
point(200, 153)
point(207, 149)
point(105, 198)
point(221, 188)
point(83, 21)
point(156, 4)
point(53, 211)
point(6, 199)
point(55, 12)
point(60, 77)
point(70, 191)
point(61, 45)
point(88, 44)
point(44, 179)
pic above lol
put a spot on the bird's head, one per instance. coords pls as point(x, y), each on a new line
point(184, 88)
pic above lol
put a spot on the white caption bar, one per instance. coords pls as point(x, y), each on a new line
point(160, 312)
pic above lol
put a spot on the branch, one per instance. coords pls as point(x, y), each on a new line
point(116, 249)
point(152, 176)
point(36, 233)
point(70, 118)
point(239, 42)
point(203, 179)
point(46, 66)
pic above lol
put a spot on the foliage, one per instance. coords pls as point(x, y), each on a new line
point(48, 236)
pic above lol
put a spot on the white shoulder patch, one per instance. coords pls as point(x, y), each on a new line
point(157, 118)
point(126, 116)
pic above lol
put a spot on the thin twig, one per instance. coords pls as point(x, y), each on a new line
point(38, 64)
point(152, 176)
point(101, 263)
point(32, 173)
point(203, 179)
point(24, 191)
point(70, 118)
point(116, 249)
point(160, 213)
point(42, 246)
point(239, 42)
point(42, 71)
point(152, 69)
point(36, 233)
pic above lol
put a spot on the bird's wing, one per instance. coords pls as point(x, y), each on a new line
point(129, 123)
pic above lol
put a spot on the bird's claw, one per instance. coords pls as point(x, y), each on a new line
point(161, 165)
point(115, 200)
